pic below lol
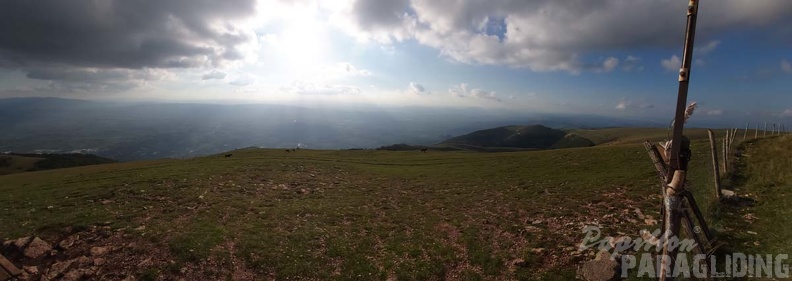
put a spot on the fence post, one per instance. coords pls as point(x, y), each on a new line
point(764, 133)
point(715, 166)
point(745, 134)
point(726, 153)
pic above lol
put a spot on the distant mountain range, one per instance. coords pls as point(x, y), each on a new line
point(140, 130)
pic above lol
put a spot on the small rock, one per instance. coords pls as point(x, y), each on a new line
point(537, 250)
point(36, 248)
point(78, 274)
point(752, 233)
point(519, 263)
point(536, 222)
point(31, 269)
point(20, 242)
point(106, 202)
point(57, 269)
point(727, 193)
point(530, 228)
point(67, 243)
point(98, 261)
point(600, 269)
point(99, 251)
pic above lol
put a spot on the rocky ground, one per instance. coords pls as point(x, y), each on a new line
point(96, 253)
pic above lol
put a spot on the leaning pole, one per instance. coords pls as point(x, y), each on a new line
point(680, 153)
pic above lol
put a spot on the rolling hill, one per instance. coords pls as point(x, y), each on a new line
point(524, 137)
point(18, 163)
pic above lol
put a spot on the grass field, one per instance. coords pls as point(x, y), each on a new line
point(357, 214)
point(763, 176)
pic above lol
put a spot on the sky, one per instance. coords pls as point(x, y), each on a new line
point(607, 57)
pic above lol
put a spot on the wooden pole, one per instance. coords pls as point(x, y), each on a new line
point(764, 133)
point(745, 134)
point(731, 141)
point(678, 164)
point(715, 166)
point(726, 153)
point(756, 133)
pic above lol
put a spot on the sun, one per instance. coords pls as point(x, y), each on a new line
point(298, 35)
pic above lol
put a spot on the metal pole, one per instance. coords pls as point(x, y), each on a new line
point(678, 162)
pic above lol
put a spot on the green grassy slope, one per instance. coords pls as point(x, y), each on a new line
point(762, 176)
point(355, 214)
point(612, 136)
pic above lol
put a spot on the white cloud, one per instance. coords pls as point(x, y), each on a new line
point(714, 112)
point(350, 70)
point(464, 91)
point(632, 63)
point(214, 74)
point(608, 65)
point(416, 89)
point(313, 88)
point(671, 64)
point(786, 66)
point(709, 47)
point(243, 79)
point(625, 104)
point(622, 105)
point(546, 35)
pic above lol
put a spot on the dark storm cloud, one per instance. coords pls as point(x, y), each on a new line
point(121, 34)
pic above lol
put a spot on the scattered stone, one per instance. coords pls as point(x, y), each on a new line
point(99, 251)
point(67, 243)
point(532, 229)
point(36, 248)
point(639, 213)
point(57, 269)
point(33, 270)
point(536, 222)
point(650, 221)
point(78, 274)
point(107, 202)
point(602, 268)
point(537, 250)
point(752, 233)
point(727, 193)
point(519, 263)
